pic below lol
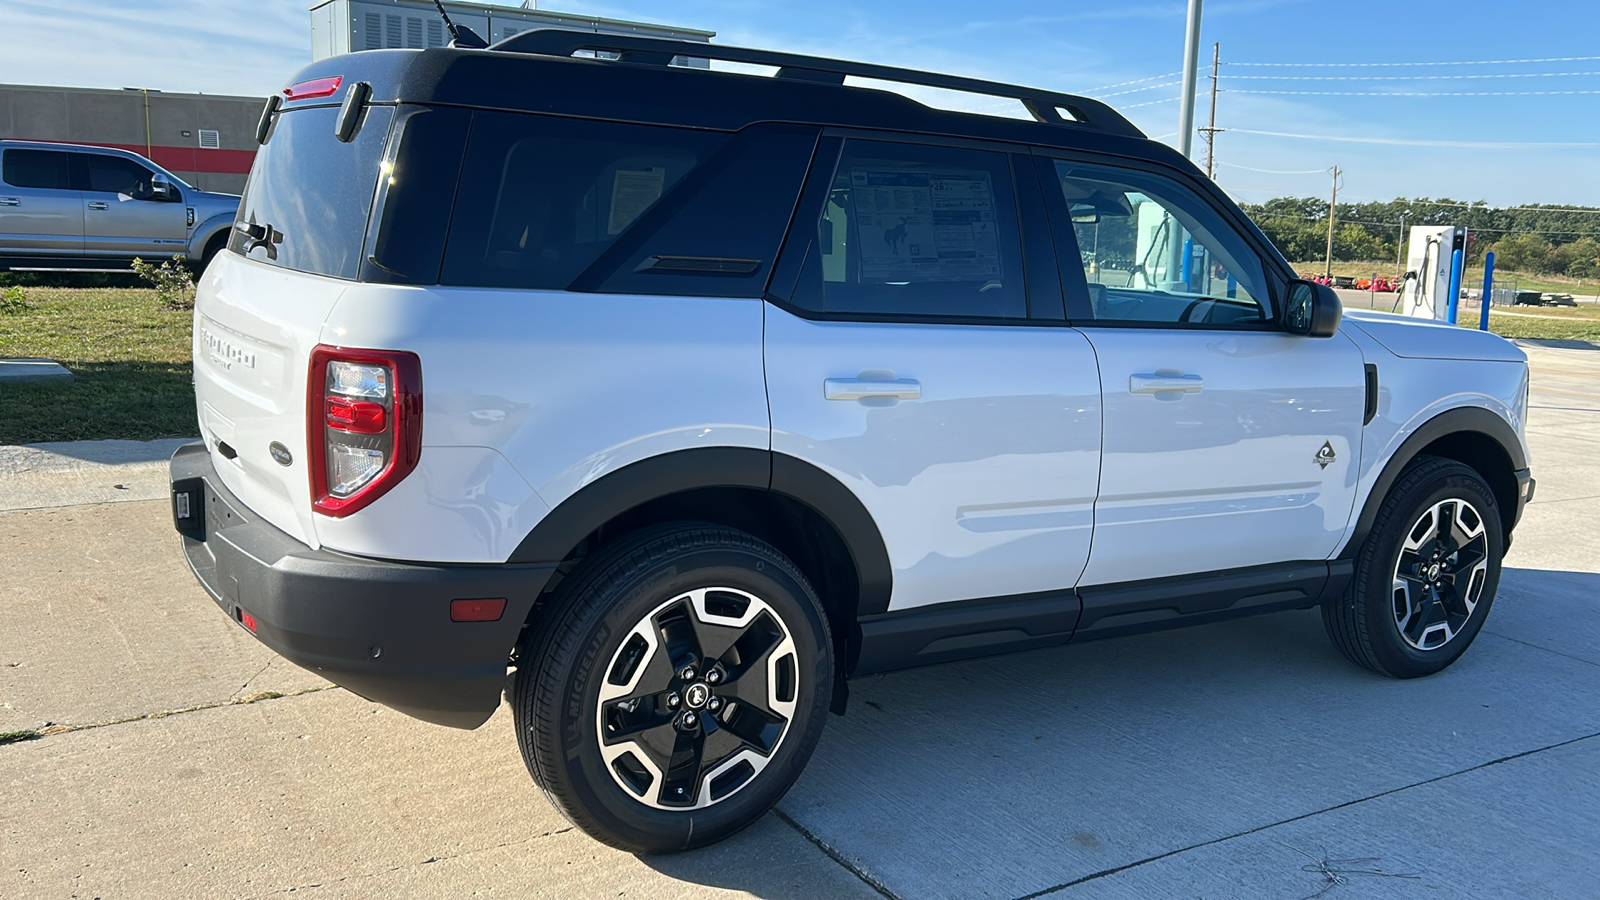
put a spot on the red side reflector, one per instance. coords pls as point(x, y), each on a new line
point(316, 87)
point(249, 621)
point(477, 610)
point(357, 416)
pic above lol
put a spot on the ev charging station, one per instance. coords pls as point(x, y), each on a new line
point(1425, 289)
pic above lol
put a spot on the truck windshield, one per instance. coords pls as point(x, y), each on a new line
point(309, 195)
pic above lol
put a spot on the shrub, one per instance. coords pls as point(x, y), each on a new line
point(174, 287)
point(13, 301)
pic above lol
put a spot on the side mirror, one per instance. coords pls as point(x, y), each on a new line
point(161, 188)
point(1313, 309)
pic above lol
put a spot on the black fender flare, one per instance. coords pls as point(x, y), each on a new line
point(1474, 419)
point(660, 476)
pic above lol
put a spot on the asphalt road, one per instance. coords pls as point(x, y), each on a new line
point(1242, 759)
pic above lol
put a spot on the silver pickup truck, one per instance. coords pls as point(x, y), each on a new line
point(70, 207)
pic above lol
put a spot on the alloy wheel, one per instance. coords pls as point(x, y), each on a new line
point(697, 699)
point(1440, 574)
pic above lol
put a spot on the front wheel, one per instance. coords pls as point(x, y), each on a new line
point(674, 687)
point(1426, 577)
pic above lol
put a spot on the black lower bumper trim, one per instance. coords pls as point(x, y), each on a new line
point(380, 629)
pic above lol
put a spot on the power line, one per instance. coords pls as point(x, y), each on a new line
point(1134, 81)
point(1407, 77)
point(1271, 171)
point(1412, 93)
point(1148, 103)
point(1138, 89)
point(1411, 142)
point(1479, 62)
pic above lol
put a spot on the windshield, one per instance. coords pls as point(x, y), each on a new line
point(309, 195)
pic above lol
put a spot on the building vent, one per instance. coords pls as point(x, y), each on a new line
point(374, 31)
point(209, 139)
point(392, 26)
point(435, 33)
point(414, 32)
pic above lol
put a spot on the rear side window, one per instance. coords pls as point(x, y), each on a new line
point(37, 169)
point(114, 174)
point(920, 231)
point(542, 198)
point(309, 195)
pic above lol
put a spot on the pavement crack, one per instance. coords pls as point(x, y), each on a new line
point(1292, 819)
point(53, 729)
point(836, 856)
point(1545, 649)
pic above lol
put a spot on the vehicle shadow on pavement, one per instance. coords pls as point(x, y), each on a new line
point(1006, 776)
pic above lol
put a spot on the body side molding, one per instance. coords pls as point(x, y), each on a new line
point(970, 628)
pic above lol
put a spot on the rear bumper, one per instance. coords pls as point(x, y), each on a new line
point(380, 629)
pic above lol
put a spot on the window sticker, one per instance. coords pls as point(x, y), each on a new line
point(925, 225)
point(632, 192)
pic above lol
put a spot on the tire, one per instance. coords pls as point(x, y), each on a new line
point(1418, 597)
point(212, 248)
point(610, 650)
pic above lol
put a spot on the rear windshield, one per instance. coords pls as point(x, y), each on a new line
point(313, 191)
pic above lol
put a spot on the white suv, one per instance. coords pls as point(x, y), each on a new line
point(682, 396)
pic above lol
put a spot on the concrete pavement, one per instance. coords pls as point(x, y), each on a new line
point(1241, 759)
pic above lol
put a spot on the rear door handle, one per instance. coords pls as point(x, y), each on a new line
point(862, 388)
point(10, 201)
point(99, 204)
point(1164, 380)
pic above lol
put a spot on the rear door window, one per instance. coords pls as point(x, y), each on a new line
point(919, 231)
point(541, 198)
point(310, 194)
point(48, 169)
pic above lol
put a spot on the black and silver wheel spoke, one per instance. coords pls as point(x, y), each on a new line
point(1438, 574)
point(697, 698)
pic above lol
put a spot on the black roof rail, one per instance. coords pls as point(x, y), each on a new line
point(1045, 106)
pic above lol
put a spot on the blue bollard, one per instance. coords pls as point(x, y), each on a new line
point(1488, 284)
point(1455, 287)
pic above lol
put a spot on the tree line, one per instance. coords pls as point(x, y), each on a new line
point(1537, 239)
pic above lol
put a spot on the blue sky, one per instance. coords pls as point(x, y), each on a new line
point(1505, 148)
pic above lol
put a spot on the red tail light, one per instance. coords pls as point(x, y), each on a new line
point(364, 425)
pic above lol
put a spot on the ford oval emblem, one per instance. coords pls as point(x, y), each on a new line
point(280, 453)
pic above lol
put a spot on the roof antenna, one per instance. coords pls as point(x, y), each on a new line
point(461, 37)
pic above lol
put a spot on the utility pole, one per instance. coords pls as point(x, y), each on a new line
point(1211, 129)
point(1328, 269)
point(1191, 54)
point(1191, 59)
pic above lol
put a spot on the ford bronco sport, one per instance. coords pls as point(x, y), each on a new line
point(663, 400)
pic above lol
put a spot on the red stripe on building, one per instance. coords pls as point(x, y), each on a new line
point(190, 159)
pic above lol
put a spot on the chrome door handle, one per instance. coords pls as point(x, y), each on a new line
point(98, 204)
point(10, 201)
point(862, 388)
point(1163, 380)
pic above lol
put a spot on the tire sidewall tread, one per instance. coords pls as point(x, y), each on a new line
point(552, 693)
point(1361, 622)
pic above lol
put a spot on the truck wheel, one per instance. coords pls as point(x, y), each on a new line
point(1426, 577)
point(673, 687)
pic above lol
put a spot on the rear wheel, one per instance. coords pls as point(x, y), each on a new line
point(675, 688)
point(1426, 577)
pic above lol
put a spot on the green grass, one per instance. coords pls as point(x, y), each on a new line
point(129, 357)
point(1543, 322)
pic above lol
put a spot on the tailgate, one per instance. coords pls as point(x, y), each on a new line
point(254, 328)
